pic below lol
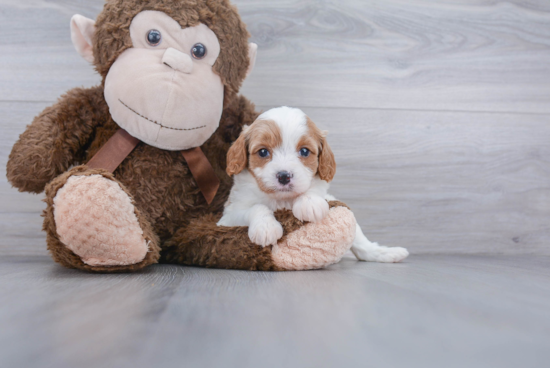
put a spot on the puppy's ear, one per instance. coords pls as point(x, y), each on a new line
point(327, 163)
point(237, 156)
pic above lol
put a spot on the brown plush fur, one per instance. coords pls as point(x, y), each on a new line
point(166, 197)
point(165, 193)
point(159, 181)
point(57, 139)
point(205, 244)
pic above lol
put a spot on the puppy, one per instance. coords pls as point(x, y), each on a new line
point(283, 161)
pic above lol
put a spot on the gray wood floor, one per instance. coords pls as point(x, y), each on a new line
point(432, 311)
point(439, 115)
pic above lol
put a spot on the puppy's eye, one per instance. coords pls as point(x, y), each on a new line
point(304, 152)
point(154, 37)
point(198, 51)
point(263, 153)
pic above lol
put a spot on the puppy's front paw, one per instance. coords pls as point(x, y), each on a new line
point(310, 208)
point(265, 232)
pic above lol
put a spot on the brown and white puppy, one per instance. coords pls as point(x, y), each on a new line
point(283, 161)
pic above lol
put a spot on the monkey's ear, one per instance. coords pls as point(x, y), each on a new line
point(82, 32)
point(252, 52)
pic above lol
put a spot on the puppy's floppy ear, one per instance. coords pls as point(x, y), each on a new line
point(237, 156)
point(327, 163)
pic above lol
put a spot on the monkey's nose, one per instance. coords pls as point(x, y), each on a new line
point(177, 60)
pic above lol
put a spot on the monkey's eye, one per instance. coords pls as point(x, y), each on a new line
point(154, 37)
point(304, 152)
point(198, 51)
point(263, 153)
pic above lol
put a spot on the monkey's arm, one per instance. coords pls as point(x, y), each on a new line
point(56, 139)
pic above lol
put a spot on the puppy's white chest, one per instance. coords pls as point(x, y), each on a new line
point(281, 205)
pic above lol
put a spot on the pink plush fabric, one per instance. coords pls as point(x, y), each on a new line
point(317, 245)
point(82, 32)
point(95, 219)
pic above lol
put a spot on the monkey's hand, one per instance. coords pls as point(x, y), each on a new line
point(56, 139)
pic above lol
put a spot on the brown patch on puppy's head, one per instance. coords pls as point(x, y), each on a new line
point(326, 162)
point(311, 141)
point(261, 135)
point(237, 156)
point(264, 135)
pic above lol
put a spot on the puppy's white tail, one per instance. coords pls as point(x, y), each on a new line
point(365, 250)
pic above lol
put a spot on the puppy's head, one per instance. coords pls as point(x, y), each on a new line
point(283, 149)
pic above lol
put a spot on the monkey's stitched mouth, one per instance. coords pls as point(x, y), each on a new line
point(155, 122)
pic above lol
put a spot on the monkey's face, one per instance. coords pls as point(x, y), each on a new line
point(164, 90)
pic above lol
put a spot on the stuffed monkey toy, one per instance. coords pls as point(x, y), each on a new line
point(134, 169)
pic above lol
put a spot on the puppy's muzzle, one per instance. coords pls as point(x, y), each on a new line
point(284, 177)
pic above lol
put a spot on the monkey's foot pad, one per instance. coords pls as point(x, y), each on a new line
point(95, 219)
point(317, 245)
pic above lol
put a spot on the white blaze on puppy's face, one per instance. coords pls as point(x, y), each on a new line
point(284, 159)
point(285, 151)
point(164, 90)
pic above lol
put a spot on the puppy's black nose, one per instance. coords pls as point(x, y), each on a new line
point(284, 177)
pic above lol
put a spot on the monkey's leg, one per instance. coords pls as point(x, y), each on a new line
point(302, 247)
point(92, 224)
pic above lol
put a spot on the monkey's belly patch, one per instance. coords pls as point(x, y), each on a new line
point(95, 219)
point(317, 245)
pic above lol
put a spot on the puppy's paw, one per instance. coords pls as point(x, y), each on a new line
point(310, 208)
point(265, 231)
point(381, 254)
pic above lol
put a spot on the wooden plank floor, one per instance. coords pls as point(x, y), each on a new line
point(432, 311)
point(439, 115)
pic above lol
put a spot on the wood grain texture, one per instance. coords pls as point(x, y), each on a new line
point(444, 181)
point(432, 311)
point(20, 220)
point(431, 180)
point(432, 55)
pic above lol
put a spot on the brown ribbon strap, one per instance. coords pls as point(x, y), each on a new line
point(121, 144)
point(111, 155)
point(202, 171)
